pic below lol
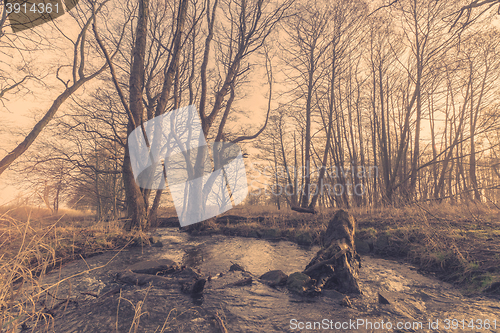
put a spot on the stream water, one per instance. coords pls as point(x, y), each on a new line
point(417, 303)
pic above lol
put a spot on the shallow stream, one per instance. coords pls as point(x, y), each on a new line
point(417, 303)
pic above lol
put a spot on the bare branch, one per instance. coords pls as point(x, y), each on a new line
point(270, 80)
point(4, 90)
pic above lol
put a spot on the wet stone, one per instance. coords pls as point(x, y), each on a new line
point(236, 267)
point(231, 279)
point(274, 278)
point(195, 288)
point(243, 282)
point(383, 299)
point(155, 241)
point(158, 244)
point(298, 282)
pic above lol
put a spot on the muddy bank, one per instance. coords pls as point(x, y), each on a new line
point(254, 307)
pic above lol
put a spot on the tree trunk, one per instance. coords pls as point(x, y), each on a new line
point(136, 207)
point(336, 266)
point(307, 158)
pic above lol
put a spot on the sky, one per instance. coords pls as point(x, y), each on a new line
point(20, 112)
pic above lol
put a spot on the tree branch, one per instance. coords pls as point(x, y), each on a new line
point(270, 80)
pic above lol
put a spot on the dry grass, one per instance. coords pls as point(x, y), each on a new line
point(459, 243)
point(138, 313)
point(32, 242)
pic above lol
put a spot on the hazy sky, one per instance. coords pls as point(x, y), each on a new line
point(20, 112)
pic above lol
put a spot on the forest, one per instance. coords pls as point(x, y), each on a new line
point(388, 109)
point(336, 104)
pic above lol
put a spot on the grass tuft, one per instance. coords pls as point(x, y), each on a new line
point(35, 242)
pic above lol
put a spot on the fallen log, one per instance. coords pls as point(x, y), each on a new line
point(303, 210)
point(325, 262)
point(336, 265)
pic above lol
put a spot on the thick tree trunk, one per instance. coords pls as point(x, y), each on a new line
point(336, 266)
point(136, 207)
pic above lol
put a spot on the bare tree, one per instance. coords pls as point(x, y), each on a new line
point(307, 45)
point(77, 79)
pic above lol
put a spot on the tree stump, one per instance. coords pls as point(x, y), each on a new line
point(336, 265)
